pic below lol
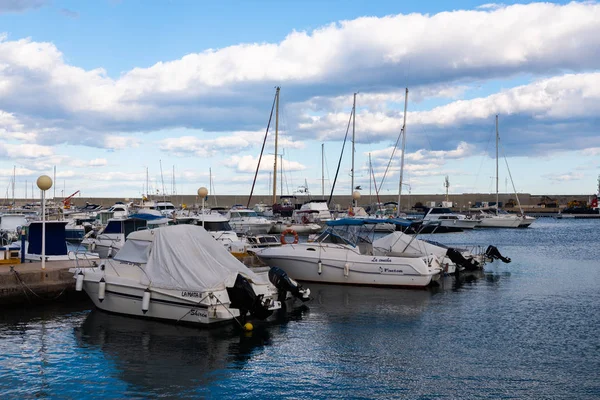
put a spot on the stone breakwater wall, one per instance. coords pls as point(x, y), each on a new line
point(460, 201)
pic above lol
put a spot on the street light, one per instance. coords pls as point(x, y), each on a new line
point(44, 182)
point(355, 197)
point(203, 192)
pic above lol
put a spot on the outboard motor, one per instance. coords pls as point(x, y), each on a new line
point(284, 283)
point(461, 262)
point(243, 297)
point(493, 253)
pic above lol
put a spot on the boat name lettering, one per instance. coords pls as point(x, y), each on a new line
point(375, 259)
point(190, 294)
point(384, 270)
point(198, 313)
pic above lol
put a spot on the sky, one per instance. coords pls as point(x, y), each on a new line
point(127, 97)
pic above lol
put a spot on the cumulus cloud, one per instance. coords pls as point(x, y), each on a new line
point(226, 89)
point(237, 141)
point(116, 142)
point(27, 151)
point(539, 114)
point(248, 164)
point(570, 176)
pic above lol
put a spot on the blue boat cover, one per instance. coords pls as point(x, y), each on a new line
point(369, 221)
point(146, 217)
point(56, 244)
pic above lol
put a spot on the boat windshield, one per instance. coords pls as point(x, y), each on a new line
point(348, 234)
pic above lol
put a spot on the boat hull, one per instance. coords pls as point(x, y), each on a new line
point(499, 223)
point(343, 266)
point(127, 300)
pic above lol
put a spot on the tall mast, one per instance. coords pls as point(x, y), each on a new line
point(497, 164)
point(276, 137)
point(162, 179)
point(323, 170)
point(281, 173)
point(353, 133)
point(403, 151)
point(370, 169)
point(13, 184)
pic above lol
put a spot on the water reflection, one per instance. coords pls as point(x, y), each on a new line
point(163, 358)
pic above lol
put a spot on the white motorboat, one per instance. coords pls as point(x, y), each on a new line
point(181, 274)
point(344, 254)
point(320, 206)
point(453, 259)
point(245, 221)
point(111, 239)
point(218, 226)
point(447, 218)
point(302, 222)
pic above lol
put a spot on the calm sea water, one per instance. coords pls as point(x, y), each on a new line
point(529, 329)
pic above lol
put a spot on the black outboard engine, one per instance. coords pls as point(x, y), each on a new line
point(461, 262)
point(493, 253)
point(284, 283)
point(242, 297)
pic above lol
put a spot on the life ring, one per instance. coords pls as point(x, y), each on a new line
point(305, 219)
point(288, 231)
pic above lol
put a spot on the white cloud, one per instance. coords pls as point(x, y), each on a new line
point(25, 150)
point(567, 177)
point(116, 142)
point(592, 151)
point(9, 6)
point(248, 164)
point(222, 88)
point(237, 141)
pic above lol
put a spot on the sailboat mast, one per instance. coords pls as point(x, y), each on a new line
point(323, 170)
point(353, 133)
point(162, 180)
point(370, 169)
point(497, 164)
point(276, 137)
point(403, 151)
point(13, 184)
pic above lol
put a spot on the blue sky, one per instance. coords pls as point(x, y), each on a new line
point(105, 89)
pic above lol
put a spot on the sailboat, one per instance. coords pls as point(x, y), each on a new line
point(493, 217)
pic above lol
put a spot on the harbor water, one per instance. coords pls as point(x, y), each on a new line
point(528, 329)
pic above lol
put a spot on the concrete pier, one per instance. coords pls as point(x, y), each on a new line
point(29, 284)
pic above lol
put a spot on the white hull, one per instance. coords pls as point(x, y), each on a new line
point(460, 223)
point(343, 265)
point(301, 229)
point(251, 228)
point(170, 306)
point(500, 222)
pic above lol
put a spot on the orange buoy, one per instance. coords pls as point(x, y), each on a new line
point(288, 231)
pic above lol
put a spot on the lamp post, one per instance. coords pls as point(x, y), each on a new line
point(355, 197)
point(203, 192)
point(44, 182)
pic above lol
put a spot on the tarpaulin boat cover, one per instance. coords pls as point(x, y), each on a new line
point(186, 257)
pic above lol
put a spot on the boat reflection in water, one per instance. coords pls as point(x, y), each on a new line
point(165, 359)
point(367, 302)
